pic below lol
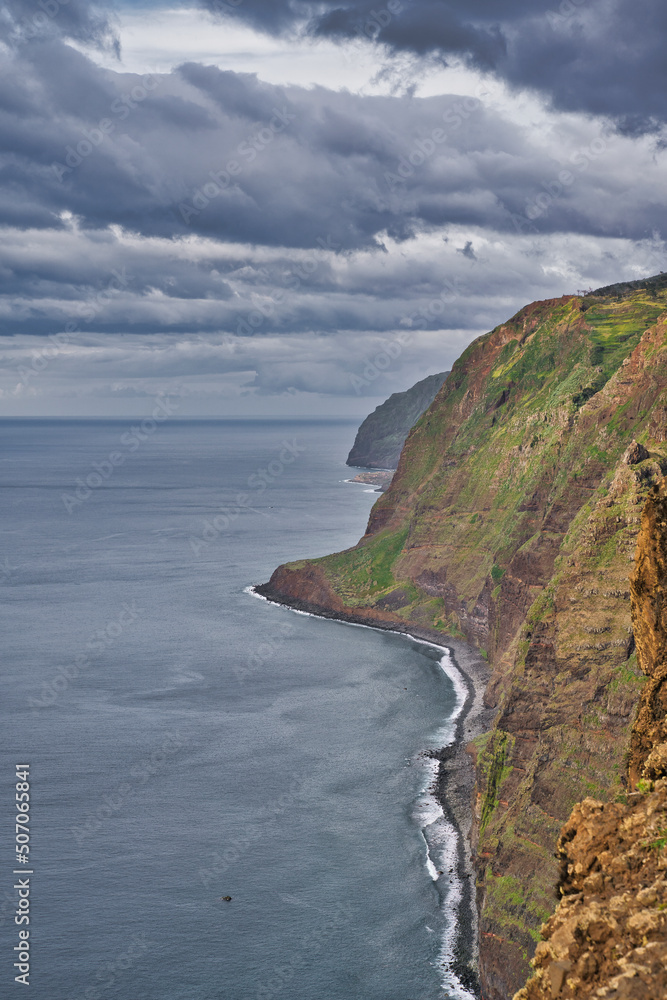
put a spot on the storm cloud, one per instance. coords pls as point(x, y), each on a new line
point(225, 155)
point(597, 56)
point(203, 228)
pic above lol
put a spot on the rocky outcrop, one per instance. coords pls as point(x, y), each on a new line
point(512, 522)
point(635, 454)
point(380, 480)
point(648, 745)
point(306, 585)
point(607, 938)
point(382, 435)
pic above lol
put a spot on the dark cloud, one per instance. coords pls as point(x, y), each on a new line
point(598, 56)
point(289, 166)
point(467, 251)
point(239, 95)
point(203, 224)
point(219, 322)
point(23, 21)
point(110, 284)
point(264, 15)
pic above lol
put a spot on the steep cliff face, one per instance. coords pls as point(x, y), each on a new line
point(607, 937)
point(382, 435)
point(648, 746)
point(512, 522)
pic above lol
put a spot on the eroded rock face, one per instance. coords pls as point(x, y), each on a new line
point(608, 937)
point(304, 584)
point(635, 454)
point(649, 621)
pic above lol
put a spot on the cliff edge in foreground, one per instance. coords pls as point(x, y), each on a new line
point(607, 938)
point(512, 522)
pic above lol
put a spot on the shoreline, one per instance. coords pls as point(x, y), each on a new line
point(455, 780)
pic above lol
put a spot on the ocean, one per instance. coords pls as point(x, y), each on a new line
point(188, 741)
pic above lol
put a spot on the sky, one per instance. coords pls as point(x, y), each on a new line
point(286, 208)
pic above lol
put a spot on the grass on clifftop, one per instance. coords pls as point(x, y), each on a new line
point(519, 399)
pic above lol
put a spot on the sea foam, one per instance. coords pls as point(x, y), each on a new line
point(441, 838)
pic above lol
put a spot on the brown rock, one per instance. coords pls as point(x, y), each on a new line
point(612, 855)
point(600, 931)
point(557, 972)
point(656, 762)
point(635, 454)
point(649, 621)
point(587, 965)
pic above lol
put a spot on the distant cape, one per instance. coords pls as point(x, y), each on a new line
point(381, 437)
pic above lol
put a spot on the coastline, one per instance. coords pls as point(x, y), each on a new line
point(455, 779)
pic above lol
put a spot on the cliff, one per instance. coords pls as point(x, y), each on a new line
point(511, 522)
point(607, 937)
point(381, 436)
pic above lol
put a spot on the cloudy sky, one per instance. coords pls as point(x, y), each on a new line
point(284, 208)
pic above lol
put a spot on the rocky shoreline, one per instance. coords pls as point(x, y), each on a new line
point(456, 774)
point(381, 480)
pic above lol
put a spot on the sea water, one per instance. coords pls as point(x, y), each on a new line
point(188, 741)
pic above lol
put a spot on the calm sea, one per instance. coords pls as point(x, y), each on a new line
point(188, 741)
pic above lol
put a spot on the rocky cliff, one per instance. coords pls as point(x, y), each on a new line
point(512, 522)
point(382, 435)
point(608, 936)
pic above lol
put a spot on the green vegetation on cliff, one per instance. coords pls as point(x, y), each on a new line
point(607, 937)
point(381, 436)
point(512, 520)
